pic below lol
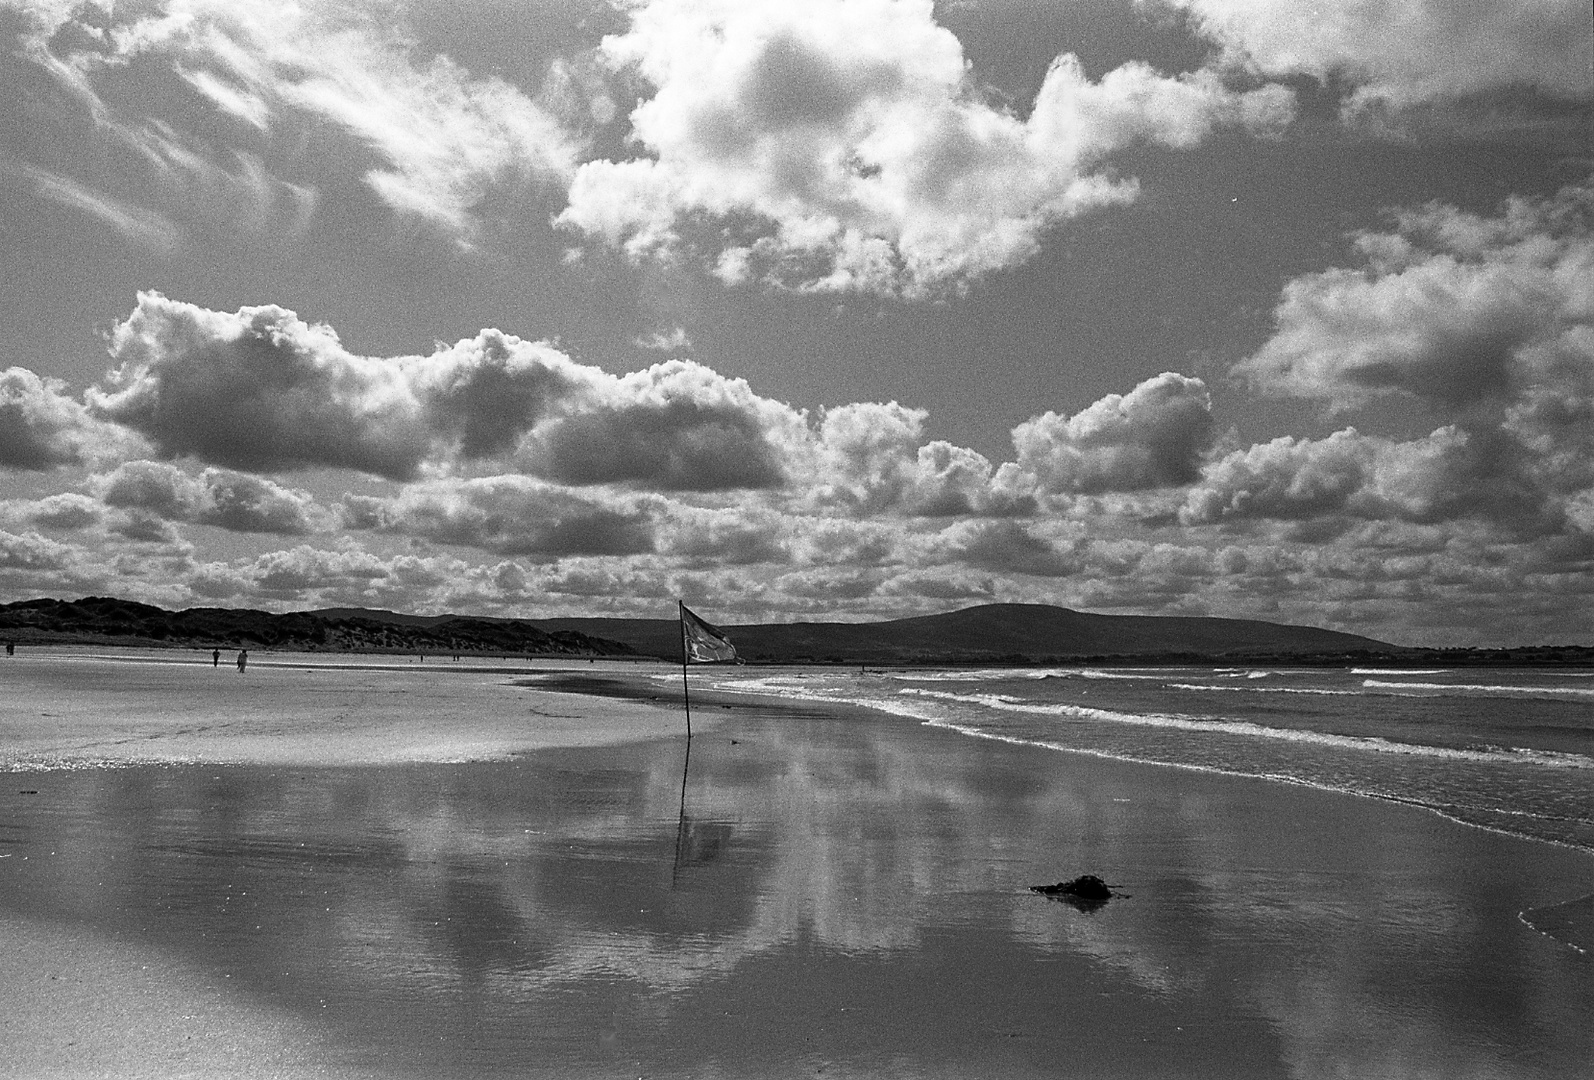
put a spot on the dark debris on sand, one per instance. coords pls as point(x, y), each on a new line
point(1086, 892)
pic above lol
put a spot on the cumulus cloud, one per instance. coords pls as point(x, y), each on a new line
point(841, 146)
point(597, 583)
point(822, 542)
point(484, 393)
point(1006, 547)
point(1487, 321)
point(1407, 52)
point(258, 390)
point(30, 551)
point(872, 458)
point(1154, 436)
point(677, 426)
point(821, 590)
point(737, 536)
point(40, 426)
point(227, 500)
point(1451, 308)
point(942, 585)
point(307, 576)
point(262, 390)
point(305, 571)
point(510, 515)
point(145, 527)
point(1446, 475)
point(64, 512)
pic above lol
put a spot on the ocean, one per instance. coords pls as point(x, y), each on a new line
point(1504, 749)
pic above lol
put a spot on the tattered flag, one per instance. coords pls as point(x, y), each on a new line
point(702, 643)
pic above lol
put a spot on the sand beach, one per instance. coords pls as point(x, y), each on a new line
point(364, 868)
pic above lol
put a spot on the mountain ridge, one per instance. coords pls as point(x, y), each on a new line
point(109, 620)
point(991, 633)
point(1014, 634)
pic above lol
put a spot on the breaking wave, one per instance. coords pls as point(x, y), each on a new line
point(1476, 688)
point(1245, 729)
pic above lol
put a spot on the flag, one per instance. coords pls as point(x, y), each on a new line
point(702, 643)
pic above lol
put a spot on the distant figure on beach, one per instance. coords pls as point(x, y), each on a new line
point(243, 658)
point(11, 648)
point(215, 658)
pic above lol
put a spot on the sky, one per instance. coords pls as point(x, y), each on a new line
point(841, 310)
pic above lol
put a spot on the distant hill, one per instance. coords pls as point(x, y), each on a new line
point(993, 633)
point(106, 620)
point(990, 634)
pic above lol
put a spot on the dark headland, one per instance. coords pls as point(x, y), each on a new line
point(1014, 634)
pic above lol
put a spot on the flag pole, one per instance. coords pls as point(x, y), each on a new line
point(686, 692)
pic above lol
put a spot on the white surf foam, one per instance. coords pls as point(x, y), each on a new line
point(1234, 688)
point(1217, 725)
point(978, 674)
point(1478, 688)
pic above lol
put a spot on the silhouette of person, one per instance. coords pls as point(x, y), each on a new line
point(11, 648)
point(243, 658)
point(215, 658)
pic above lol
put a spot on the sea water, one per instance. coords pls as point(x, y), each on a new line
point(1506, 749)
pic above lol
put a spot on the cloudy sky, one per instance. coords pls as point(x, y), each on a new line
point(843, 309)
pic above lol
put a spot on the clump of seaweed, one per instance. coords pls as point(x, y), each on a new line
point(1087, 892)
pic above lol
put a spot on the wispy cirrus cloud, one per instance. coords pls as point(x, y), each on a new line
point(674, 340)
point(134, 223)
point(441, 137)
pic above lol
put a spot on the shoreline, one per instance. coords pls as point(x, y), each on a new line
point(568, 682)
point(1549, 658)
point(818, 706)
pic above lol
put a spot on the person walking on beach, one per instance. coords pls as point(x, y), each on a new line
point(215, 658)
point(243, 658)
point(11, 648)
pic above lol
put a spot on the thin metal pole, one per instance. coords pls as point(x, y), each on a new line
point(686, 692)
point(686, 695)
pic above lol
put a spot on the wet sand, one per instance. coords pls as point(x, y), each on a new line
point(76, 707)
point(332, 879)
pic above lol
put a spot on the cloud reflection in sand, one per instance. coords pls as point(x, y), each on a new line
point(858, 886)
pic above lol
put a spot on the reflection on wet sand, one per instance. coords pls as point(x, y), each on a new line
point(847, 894)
